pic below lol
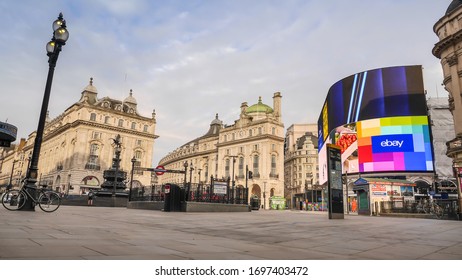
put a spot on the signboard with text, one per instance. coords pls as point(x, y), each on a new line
point(334, 182)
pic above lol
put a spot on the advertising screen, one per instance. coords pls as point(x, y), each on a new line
point(379, 119)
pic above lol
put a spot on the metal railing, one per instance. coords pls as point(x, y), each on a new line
point(205, 193)
point(449, 207)
point(195, 193)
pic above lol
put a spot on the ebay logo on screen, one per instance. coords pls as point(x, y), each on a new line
point(392, 143)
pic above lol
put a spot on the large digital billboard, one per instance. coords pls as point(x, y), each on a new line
point(379, 119)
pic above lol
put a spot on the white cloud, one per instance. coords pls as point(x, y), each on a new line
point(192, 59)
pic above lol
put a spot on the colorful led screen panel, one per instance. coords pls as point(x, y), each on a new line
point(379, 119)
point(372, 94)
point(394, 144)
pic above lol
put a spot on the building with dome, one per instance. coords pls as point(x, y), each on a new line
point(449, 50)
point(255, 142)
point(77, 144)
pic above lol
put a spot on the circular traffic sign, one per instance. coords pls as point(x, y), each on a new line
point(160, 172)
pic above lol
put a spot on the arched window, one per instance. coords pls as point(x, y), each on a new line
point(121, 122)
point(94, 149)
point(138, 157)
point(206, 172)
point(106, 119)
point(145, 129)
point(133, 125)
point(93, 158)
point(241, 167)
point(93, 117)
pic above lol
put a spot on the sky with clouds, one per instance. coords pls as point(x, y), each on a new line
point(191, 59)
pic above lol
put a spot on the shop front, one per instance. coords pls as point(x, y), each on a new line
point(371, 191)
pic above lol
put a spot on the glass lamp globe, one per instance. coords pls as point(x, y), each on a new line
point(58, 23)
point(51, 47)
point(61, 35)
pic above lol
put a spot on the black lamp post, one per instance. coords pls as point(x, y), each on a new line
point(233, 182)
point(190, 173)
point(10, 185)
point(199, 190)
point(60, 36)
point(185, 165)
point(131, 179)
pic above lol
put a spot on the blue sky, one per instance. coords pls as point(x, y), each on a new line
point(189, 60)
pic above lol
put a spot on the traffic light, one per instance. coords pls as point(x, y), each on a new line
point(250, 175)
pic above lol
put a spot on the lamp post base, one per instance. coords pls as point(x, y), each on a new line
point(29, 205)
point(113, 200)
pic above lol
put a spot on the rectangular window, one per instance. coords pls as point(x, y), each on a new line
point(273, 165)
point(241, 167)
point(227, 168)
point(255, 166)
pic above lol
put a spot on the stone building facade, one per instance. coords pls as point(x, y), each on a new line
point(301, 171)
point(77, 145)
point(449, 50)
point(255, 141)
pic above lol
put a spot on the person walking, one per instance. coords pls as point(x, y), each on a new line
point(90, 198)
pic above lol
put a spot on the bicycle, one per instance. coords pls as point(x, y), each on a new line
point(436, 210)
point(49, 201)
point(422, 206)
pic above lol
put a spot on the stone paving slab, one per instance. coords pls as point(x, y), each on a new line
point(100, 233)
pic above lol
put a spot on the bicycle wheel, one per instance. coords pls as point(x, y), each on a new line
point(439, 212)
point(49, 201)
point(13, 200)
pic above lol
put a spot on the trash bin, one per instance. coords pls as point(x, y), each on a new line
point(254, 203)
point(173, 198)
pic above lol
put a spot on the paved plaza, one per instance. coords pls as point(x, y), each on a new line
point(118, 233)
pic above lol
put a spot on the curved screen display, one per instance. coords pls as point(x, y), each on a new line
point(379, 119)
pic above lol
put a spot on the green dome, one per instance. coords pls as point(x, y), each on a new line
point(259, 108)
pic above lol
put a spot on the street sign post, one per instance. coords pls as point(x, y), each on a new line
point(160, 170)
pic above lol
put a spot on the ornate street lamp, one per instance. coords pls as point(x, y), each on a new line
point(190, 180)
point(185, 165)
point(60, 36)
point(131, 180)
